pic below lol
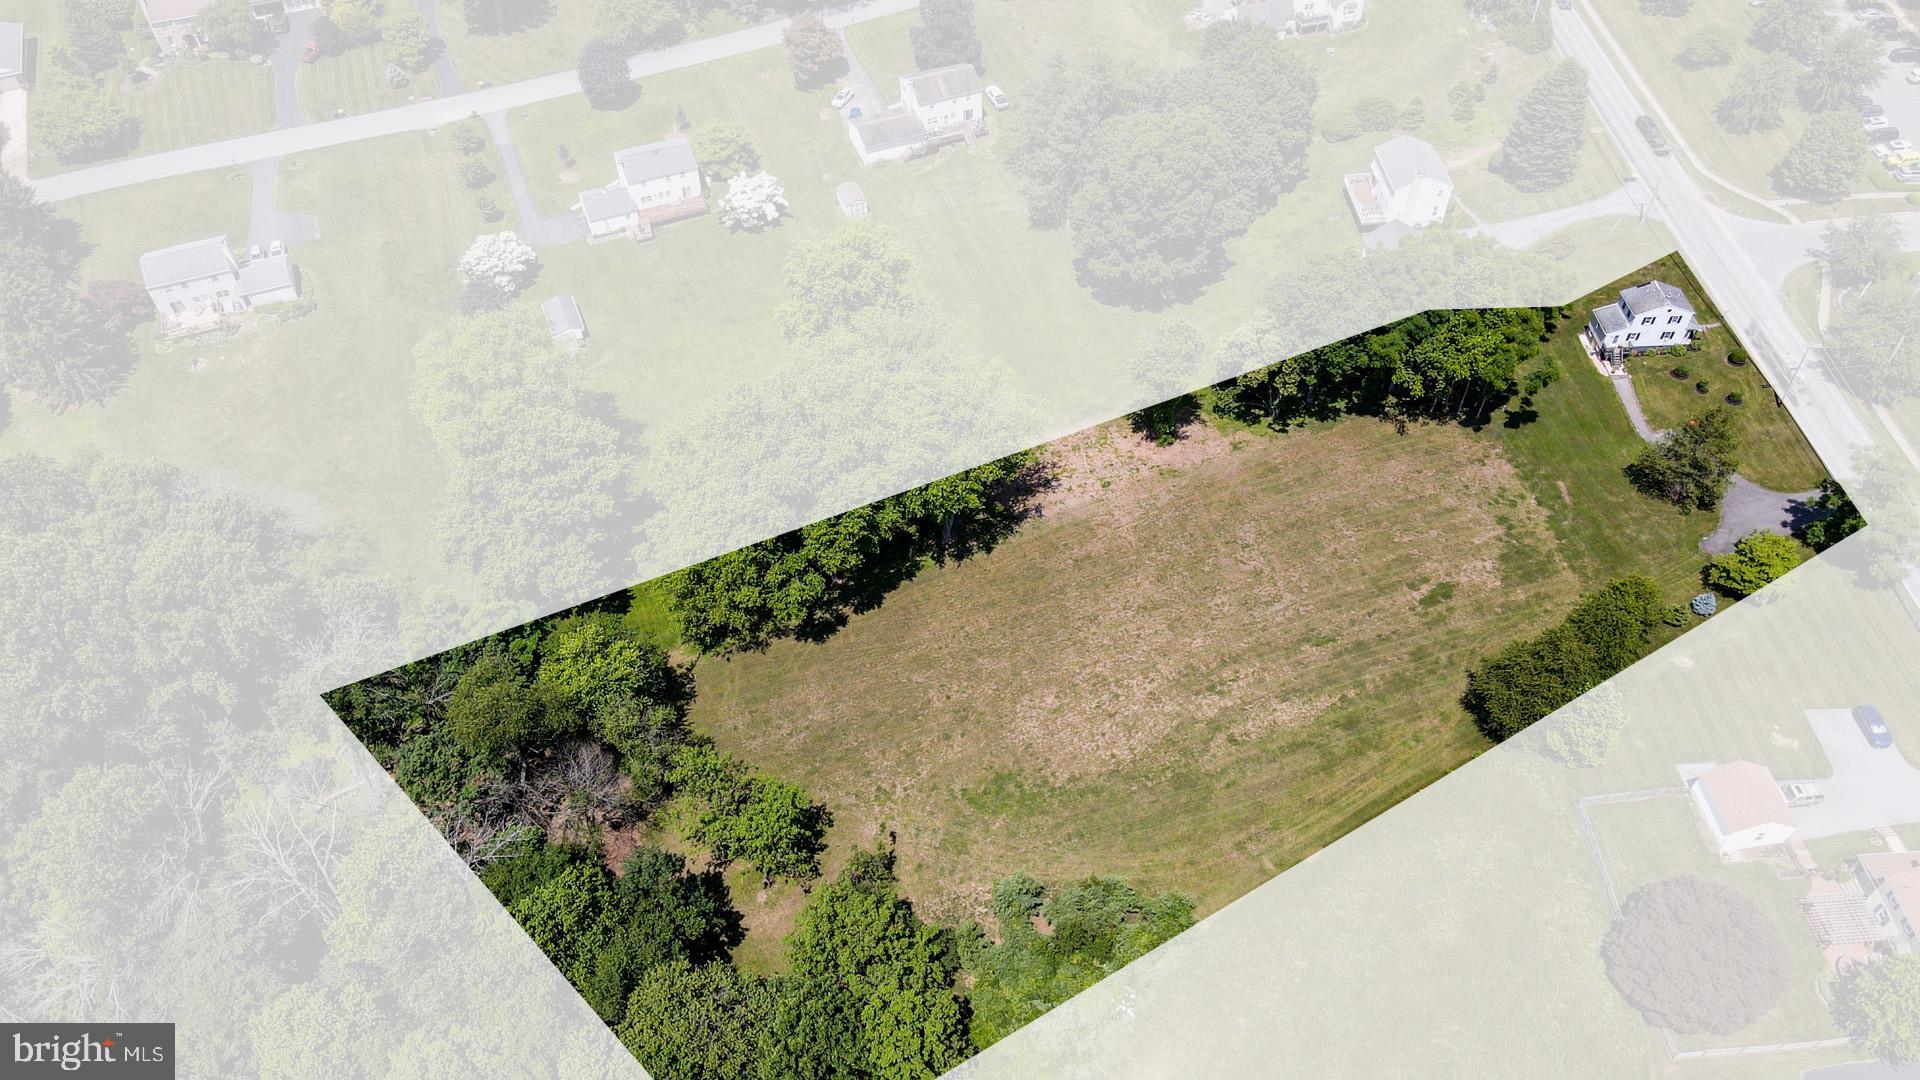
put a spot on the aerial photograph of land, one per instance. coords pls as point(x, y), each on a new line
point(765, 539)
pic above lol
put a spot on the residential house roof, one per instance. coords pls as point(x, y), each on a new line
point(13, 48)
point(1404, 159)
point(886, 130)
point(1899, 876)
point(1270, 13)
point(942, 83)
point(1610, 318)
point(160, 11)
point(563, 316)
point(187, 262)
point(655, 161)
point(1653, 296)
point(266, 275)
point(601, 204)
point(1744, 796)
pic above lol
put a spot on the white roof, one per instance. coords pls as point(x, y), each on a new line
point(13, 48)
point(187, 262)
point(655, 161)
point(266, 275)
point(942, 83)
point(563, 315)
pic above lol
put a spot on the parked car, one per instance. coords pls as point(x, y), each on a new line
point(278, 247)
point(845, 95)
point(1914, 76)
point(310, 53)
point(1873, 726)
point(1904, 54)
point(1869, 14)
point(1887, 28)
point(253, 252)
point(1908, 175)
point(1802, 794)
point(279, 24)
point(1873, 120)
point(1884, 134)
point(1893, 146)
point(1904, 159)
point(1650, 131)
point(998, 98)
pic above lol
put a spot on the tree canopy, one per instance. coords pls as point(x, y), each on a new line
point(1695, 957)
point(1878, 1004)
point(1543, 144)
point(1691, 465)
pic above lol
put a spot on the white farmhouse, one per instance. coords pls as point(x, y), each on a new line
point(1653, 315)
point(654, 184)
point(1288, 17)
point(1407, 185)
point(193, 285)
point(936, 106)
point(1742, 807)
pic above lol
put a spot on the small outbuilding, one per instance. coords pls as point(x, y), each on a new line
point(853, 201)
point(13, 56)
point(564, 320)
point(1741, 804)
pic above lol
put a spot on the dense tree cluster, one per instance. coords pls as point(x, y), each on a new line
point(1825, 161)
point(1153, 171)
point(1695, 957)
point(1441, 365)
point(1878, 1004)
point(1050, 944)
point(1543, 144)
point(1834, 517)
point(1755, 561)
point(946, 35)
point(1607, 630)
point(806, 582)
point(54, 343)
point(1690, 465)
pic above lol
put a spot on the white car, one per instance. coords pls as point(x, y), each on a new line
point(253, 252)
point(998, 98)
point(1877, 120)
point(1892, 147)
point(1914, 76)
point(278, 247)
point(845, 95)
point(1869, 14)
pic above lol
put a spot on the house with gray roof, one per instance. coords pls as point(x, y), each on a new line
point(936, 106)
point(1651, 315)
point(196, 284)
point(1290, 17)
point(13, 56)
point(653, 184)
point(1407, 183)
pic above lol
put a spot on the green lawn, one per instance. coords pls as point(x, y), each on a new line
point(355, 81)
point(550, 41)
point(1773, 452)
point(191, 102)
point(1649, 841)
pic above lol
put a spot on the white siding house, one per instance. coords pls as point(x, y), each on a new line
point(1891, 883)
point(936, 106)
point(1649, 316)
point(1742, 807)
point(1407, 183)
point(193, 285)
point(653, 184)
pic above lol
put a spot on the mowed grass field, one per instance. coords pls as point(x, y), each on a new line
point(355, 81)
point(1198, 665)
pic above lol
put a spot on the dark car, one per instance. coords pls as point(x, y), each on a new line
point(279, 23)
point(1886, 28)
point(1869, 108)
point(1904, 53)
point(1650, 131)
point(1883, 134)
point(1872, 726)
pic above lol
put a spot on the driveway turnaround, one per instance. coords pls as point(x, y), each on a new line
point(1868, 787)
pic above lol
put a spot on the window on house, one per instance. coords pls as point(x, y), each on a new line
point(177, 307)
point(1633, 337)
point(1676, 318)
point(1668, 336)
point(1648, 321)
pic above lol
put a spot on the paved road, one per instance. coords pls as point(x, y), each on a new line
point(1868, 787)
point(423, 115)
point(1716, 254)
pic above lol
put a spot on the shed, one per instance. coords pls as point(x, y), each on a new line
point(853, 201)
point(564, 320)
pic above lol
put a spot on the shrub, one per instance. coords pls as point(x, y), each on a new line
point(1704, 605)
point(1758, 559)
point(1339, 129)
point(1735, 397)
point(1737, 357)
point(1677, 615)
point(1680, 371)
point(474, 173)
point(1700, 387)
point(1691, 465)
point(1375, 114)
point(489, 210)
point(468, 140)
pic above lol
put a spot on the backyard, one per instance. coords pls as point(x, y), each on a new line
point(355, 81)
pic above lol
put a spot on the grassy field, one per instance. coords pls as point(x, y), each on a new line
point(355, 81)
point(1171, 675)
point(202, 101)
point(1645, 842)
point(548, 42)
point(1774, 454)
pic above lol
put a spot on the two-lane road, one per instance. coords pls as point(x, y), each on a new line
point(423, 115)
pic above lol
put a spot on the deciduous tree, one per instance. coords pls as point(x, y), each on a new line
point(813, 51)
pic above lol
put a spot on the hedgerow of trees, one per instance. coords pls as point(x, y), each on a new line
point(1607, 630)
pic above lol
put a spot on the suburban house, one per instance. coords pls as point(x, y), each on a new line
point(194, 285)
point(564, 320)
point(1742, 807)
point(1890, 881)
point(1649, 316)
point(937, 106)
point(653, 184)
point(852, 200)
point(13, 56)
point(1289, 17)
point(1407, 187)
point(171, 21)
